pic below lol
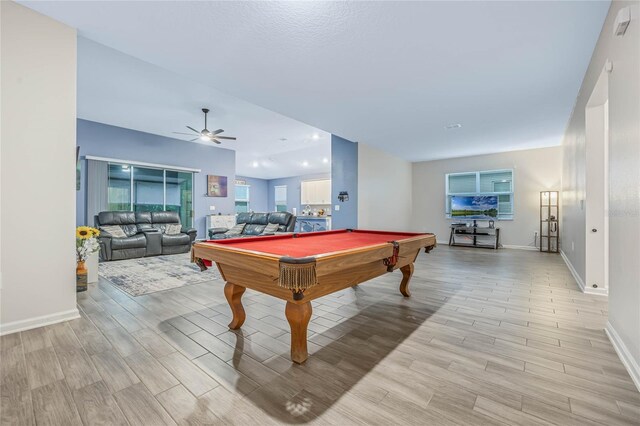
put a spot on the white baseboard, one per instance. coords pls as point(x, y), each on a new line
point(584, 288)
point(624, 354)
point(28, 324)
point(516, 247)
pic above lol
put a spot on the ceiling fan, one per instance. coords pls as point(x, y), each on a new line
point(205, 134)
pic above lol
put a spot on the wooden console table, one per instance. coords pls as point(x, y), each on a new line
point(476, 235)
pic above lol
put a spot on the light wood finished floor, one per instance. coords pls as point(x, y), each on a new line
point(488, 337)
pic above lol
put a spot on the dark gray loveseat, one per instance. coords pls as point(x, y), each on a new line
point(145, 235)
point(255, 225)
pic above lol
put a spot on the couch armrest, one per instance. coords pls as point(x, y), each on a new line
point(104, 240)
point(215, 231)
point(192, 232)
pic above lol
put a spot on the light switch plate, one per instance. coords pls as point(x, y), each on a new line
point(337, 207)
point(212, 208)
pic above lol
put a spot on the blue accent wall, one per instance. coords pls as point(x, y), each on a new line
point(293, 190)
point(344, 177)
point(258, 199)
point(102, 140)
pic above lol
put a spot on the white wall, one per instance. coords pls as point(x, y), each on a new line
point(384, 191)
point(624, 180)
point(38, 138)
point(534, 170)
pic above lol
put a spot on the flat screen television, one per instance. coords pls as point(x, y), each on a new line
point(480, 207)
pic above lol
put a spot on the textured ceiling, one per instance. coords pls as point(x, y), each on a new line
point(120, 90)
point(389, 74)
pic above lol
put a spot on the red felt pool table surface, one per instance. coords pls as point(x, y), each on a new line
point(314, 243)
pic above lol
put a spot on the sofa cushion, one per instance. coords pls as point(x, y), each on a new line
point(271, 228)
point(165, 217)
point(253, 229)
point(115, 231)
point(243, 218)
point(236, 230)
point(143, 221)
point(116, 218)
point(259, 219)
point(175, 240)
point(136, 241)
point(173, 229)
point(281, 218)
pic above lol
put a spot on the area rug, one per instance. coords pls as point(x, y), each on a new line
point(151, 274)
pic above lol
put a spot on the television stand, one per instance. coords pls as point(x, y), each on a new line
point(474, 236)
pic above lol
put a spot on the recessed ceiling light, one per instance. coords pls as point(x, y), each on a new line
point(315, 136)
point(453, 126)
point(325, 160)
point(305, 163)
point(255, 164)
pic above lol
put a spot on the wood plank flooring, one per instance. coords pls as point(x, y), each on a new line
point(488, 337)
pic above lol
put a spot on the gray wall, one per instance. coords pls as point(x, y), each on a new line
point(258, 193)
point(103, 140)
point(624, 180)
point(344, 177)
point(534, 170)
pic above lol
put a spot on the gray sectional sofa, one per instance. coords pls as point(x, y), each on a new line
point(255, 225)
point(144, 234)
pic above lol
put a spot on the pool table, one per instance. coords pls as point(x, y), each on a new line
point(301, 267)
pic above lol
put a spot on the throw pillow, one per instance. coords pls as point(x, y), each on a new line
point(114, 230)
point(173, 229)
point(271, 228)
point(236, 230)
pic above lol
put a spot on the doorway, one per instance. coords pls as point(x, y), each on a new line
point(597, 188)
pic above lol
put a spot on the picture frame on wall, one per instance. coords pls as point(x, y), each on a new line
point(216, 186)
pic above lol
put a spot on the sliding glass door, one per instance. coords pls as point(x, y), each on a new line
point(179, 195)
point(147, 189)
point(119, 187)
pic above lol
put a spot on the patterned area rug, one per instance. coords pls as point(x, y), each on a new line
point(151, 274)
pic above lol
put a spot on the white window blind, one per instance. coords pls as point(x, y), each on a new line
point(281, 198)
point(488, 182)
point(462, 183)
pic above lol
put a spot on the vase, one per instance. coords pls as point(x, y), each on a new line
point(81, 276)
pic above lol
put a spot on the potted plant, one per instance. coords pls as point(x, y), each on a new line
point(86, 245)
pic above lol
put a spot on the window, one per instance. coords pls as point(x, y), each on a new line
point(490, 182)
point(242, 198)
point(119, 187)
point(147, 189)
point(281, 198)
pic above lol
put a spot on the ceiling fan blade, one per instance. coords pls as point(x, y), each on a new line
point(216, 141)
point(216, 132)
point(191, 128)
point(181, 133)
point(193, 140)
point(226, 137)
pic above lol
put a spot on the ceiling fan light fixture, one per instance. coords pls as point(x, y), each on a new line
point(205, 138)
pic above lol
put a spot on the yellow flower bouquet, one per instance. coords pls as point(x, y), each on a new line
point(86, 242)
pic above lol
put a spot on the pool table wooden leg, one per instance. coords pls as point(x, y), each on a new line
point(407, 272)
point(233, 293)
point(298, 316)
